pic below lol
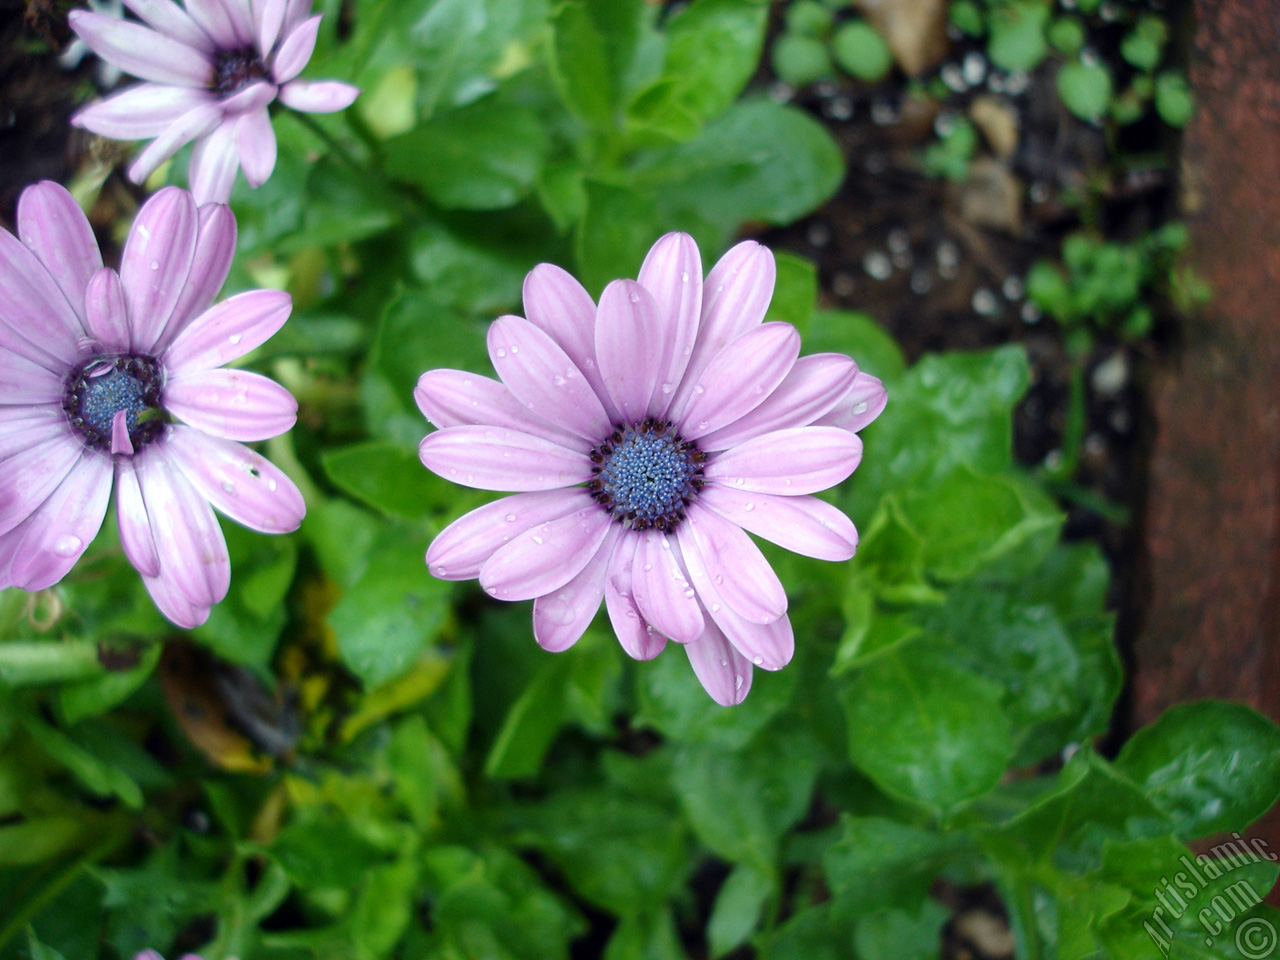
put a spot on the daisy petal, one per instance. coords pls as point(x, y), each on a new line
point(192, 552)
point(66, 523)
point(174, 604)
point(561, 617)
point(229, 330)
point(740, 377)
point(24, 427)
point(36, 320)
point(735, 296)
point(661, 591)
point(269, 16)
point(29, 477)
point(672, 273)
point(788, 462)
point(461, 548)
point(814, 386)
point(156, 261)
point(53, 226)
point(215, 246)
point(864, 402)
point(296, 50)
point(240, 12)
point(318, 96)
point(141, 51)
point(214, 162)
point(170, 19)
point(195, 123)
point(739, 571)
point(232, 404)
point(140, 112)
point(804, 525)
point(106, 316)
point(454, 398)
point(640, 640)
point(495, 458)
point(24, 381)
point(723, 672)
point(545, 558)
point(216, 20)
point(543, 377)
point(633, 345)
point(136, 538)
point(256, 145)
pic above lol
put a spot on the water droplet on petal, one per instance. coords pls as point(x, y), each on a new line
point(757, 660)
point(228, 486)
point(751, 505)
point(235, 338)
point(737, 681)
point(537, 539)
point(715, 608)
point(558, 380)
point(68, 545)
point(859, 408)
point(689, 594)
point(648, 567)
point(724, 662)
point(501, 352)
point(684, 277)
point(699, 389)
point(635, 297)
point(514, 349)
point(155, 264)
point(271, 485)
point(511, 518)
point(668, 387)
point(741, 481)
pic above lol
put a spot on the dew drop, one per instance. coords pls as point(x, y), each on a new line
point(471, 478)
point(514, 349)
point(235, 338)
point(715, 608)
point(741, 481)
point(787, 482)
point(689, 594)
point(757, 660)
point(271, 485)
point(155, 264)
point(501, 352)
point(684, 277)
point(537, 539)
point(635, 297)
point(668, 387)
point(228, 486)
point(699, 389)
point(68, 545)
point(719, 578)
point(702, 424)
point(440, 570)
point(558, 380)
point(724, 662)
point(648, 567)
point(860, 408)
point(511, 518)
point(751, 505)
point(737, 681)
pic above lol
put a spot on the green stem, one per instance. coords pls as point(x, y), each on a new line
point(22, 663)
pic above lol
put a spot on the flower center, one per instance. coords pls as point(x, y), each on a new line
point(645, 475)
point(103, 387)
point(233, 70)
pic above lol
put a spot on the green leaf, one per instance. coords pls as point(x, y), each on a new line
point(857, 335)
point(737, 908)
point(861, 51)
point(484, 156)
point(531, 724)
point(1085, 88)
point(320, 849)
point(98, 775)
point(1067, 35)
point(44, 661)
point(1173, 99)
point(926, 731)
point(594, 47)
point(799, 59)
point(391, 613)
point(812, 933)
point(387, 477)
point(879, 863)
point(713, 47)
point(1212, 766)
point(808, 17)
point(87, 698)
point(1144, 44)
point(795, 292)
point(910, 934)
point(1018, 34)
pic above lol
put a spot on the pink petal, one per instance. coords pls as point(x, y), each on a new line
point(804, 525)
point(215, 246)
point(454, 398)
point(256, 145)
point(241, 483)
point(140, 112)
point(240, 14)
point(66, 523)
point(214, 162)
point(461, 548)
point(170, 19)
point(640, 640)
point(318, 96)
point(543, 378)
point(295, 13)
point(736, 568)
point(24, 427)
point(723, 672)
point(141, 51)
point(495, 458)
point(228, 331)
point(543, 559)
point(215, 19)
point(740, 378)
point(269, 16)
point(233, 404)
point(672, 272)
point(633, 345)
point(27, 478)
point(24, 381)
point(173, 602)
point(131, 518)
point(561, 617)
point(788, 462)
point(557, 303)
point(195, 123)
point(36, 320)
point(735, 296)
point(296, 50)
point(814, 386)
point(156, 261)
point(120, 442)
point(53, 226)
point(192, 551)
point(864, 402)
point(661, 591)
point(106, 316)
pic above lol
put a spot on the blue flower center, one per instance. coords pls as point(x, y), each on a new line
point(645, 475)
point(102, 387)
point(233, 70)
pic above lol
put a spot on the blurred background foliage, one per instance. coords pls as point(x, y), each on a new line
point(354, 760)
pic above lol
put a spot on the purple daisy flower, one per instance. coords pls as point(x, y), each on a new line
point(110, 377)
point(645, 436)
point(211, 70)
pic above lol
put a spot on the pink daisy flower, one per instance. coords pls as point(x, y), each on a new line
point(211, 69)
point(113, 378)
point(645, 435)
